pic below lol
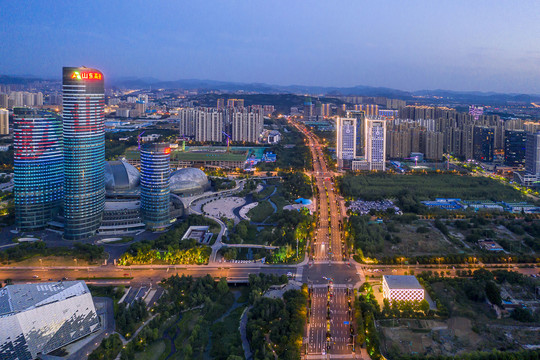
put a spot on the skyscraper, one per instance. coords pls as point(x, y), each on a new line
point(38, 167)
point(532, 154)
point(84, 151)
point(4, 122)
point(483, 143)
point(514, 147)
point(376, 143)
point(360, 117)
point(155, 185)
point(345, 142)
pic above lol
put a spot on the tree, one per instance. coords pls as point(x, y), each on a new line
point(522, 315)
point(493, 293)
point(424, 306)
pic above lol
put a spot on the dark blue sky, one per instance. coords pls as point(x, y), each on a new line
point(410, 45)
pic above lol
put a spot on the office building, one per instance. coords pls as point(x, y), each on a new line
point(483, 143)
point(402, 288)
point(532, 154)
point(84, 151)
point(36, 319)
point(38, 168)
point(155, 185)
point(345, 142)
point(375, 143)
point(360, 117)
point(514, 147)
point(4, 122)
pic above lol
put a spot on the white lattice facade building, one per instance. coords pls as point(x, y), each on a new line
point(40, 318)
point(402, 288)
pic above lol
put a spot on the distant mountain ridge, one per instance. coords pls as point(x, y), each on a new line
point(360, 90)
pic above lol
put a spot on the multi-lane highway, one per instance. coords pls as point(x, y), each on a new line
point(136, 275)
point(330, 279)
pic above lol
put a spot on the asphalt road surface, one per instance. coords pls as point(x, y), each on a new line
point(140, 275)
point(328, 274)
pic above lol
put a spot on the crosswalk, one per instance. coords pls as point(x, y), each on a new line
point(299, 273)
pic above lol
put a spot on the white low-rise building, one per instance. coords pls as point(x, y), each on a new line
point(402, 288)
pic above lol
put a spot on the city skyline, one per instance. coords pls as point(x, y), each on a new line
point(457, 46)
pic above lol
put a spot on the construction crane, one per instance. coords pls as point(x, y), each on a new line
point(228, 139)
point(139, 140)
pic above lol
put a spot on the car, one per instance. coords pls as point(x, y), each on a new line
point(64, 278)
point(35, 277)
point(290, 274)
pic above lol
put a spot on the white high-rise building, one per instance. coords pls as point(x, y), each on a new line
point(40, 318)
point(209, 125)
point(375, 143)
point(246, 126)
point(38, 98)
point(17, 97)
point(28, 99)
point(186, 122)
point(345, 142)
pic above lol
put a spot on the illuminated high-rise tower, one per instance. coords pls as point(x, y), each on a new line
point(375, 132)
point(84, 151)
point(345, 142)
point(155, 185)
point(38, 167)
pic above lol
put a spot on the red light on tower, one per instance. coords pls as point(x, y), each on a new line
point(167, 150)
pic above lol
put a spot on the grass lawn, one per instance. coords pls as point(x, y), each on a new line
point(260, 212)
point(153, 352)
point(417, 244)
point(426, 187)
point(266, 191)
point(279, 201)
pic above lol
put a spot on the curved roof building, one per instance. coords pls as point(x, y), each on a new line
point(189, 181)
point(121, 179)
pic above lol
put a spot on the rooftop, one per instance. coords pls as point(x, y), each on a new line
point(402, 282)
point(208, 153)
point(22, 297)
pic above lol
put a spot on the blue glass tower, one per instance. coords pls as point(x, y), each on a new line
point(38, 167)
point(155, 185)
point(84, 151)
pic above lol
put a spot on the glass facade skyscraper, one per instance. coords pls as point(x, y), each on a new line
point(155, 185)
point(38, 167)
point(514, 147)
point(84, 151)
